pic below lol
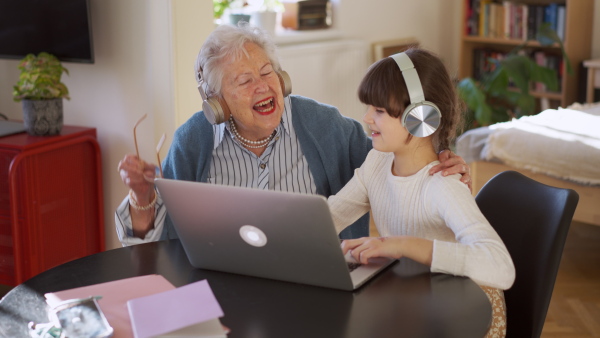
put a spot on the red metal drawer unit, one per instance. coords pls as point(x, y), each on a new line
point(51, 201)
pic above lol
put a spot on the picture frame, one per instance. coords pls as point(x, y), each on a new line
point(386, 48)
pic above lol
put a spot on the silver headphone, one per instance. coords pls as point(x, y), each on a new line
point(421, 118)
point(216, 109)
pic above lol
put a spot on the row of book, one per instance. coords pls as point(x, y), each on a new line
point(507, 19)
point(482, 64)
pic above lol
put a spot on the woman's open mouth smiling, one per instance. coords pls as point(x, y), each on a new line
point(265, 107)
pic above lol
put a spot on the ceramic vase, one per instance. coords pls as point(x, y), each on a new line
point(43, 117)
point(266, 20)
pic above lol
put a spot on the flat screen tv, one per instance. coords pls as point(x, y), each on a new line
point(59, 27)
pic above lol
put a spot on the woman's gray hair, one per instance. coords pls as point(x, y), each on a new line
point(227, 41)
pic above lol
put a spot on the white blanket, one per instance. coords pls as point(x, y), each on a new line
point(562, 143)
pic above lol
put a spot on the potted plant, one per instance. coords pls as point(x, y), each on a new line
point(490, 99)
point(264, 13)
point(230, 11)
point(42, 93)
point(219, 7)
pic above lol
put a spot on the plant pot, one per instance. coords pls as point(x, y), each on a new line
point(234, 19)
point(43, 117)
point(266, 20)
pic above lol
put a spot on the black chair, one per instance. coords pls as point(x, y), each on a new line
point(533, 220)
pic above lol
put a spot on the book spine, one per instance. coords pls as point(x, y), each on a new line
point(492, 19)
point(484, 11)
point(551, 15)
point(540, 59)
point(540, 15)
point(531, 23)
point(513, 15)
point(518, 31)
point(507, 16)
point(468, 17)
point(500, 22)
point(524, 19)
point(475, 8)
point(560, 22)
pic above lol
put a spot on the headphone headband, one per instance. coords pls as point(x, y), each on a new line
point(421, 118)
point(413, 83)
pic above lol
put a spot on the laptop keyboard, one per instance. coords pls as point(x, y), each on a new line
point(352, 266)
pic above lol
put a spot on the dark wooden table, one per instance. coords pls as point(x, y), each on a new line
point(406, 300)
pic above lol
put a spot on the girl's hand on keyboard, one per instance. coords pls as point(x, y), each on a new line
point(362, 249)
point(417, 249)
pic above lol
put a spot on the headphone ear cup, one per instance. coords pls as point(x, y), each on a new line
point(286, 82)
point(215, 110)
point(422, 119)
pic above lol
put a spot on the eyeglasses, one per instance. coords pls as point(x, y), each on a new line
point(158, 147)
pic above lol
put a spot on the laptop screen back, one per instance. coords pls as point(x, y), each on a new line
point(278, 235)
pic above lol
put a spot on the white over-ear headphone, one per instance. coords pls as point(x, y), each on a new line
point(216, 109)
point(421, 118)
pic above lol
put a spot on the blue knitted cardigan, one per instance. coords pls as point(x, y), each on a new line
point(333, 145)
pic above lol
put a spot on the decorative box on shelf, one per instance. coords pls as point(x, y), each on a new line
point(306, 14)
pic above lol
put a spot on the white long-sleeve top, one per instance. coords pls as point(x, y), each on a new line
point(434, 207)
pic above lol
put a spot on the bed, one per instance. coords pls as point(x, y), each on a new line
point(556, 147)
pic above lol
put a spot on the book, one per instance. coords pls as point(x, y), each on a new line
point(484, 11)
point(508, 12)
point(560, 22)
point(531, 22)
point(524, 22)
point(468, 17)
point(540, 59)
point(551, 15)
point(115, 295)
point(188, 311)
point(475, 9)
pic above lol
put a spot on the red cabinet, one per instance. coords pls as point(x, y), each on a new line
point(51, 206)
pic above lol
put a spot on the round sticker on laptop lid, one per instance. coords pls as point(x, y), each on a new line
point(253, 235)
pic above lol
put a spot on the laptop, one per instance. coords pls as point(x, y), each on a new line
point(271, 234)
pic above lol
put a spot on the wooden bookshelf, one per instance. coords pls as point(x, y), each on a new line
point(578, 21)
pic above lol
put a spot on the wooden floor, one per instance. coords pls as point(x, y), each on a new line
point(575, 307)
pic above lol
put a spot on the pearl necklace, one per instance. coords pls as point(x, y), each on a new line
point(247, 143)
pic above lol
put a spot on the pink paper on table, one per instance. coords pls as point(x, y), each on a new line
point(174, 309)
point(115, 295)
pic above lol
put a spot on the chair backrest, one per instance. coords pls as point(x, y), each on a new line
point(533, 220)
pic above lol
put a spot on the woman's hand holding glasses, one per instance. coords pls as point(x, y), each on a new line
point(139, 175)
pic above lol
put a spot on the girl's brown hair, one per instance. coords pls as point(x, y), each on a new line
point(383, 86)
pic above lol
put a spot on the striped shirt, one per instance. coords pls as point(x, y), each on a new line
point(282, 166)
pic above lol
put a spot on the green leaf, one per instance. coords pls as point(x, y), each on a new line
point(475, 99)
point(40, 78)
point(545, 75)
point(525, 105)
point(496, 82)
point(499, 114)
point(546, 36)
point(518, 69)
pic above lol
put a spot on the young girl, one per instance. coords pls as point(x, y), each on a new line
point(431, 219)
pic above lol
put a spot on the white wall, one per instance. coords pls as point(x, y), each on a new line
point(144, 57)
point(434, 23)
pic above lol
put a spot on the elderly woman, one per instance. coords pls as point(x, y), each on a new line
point(252, 135)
